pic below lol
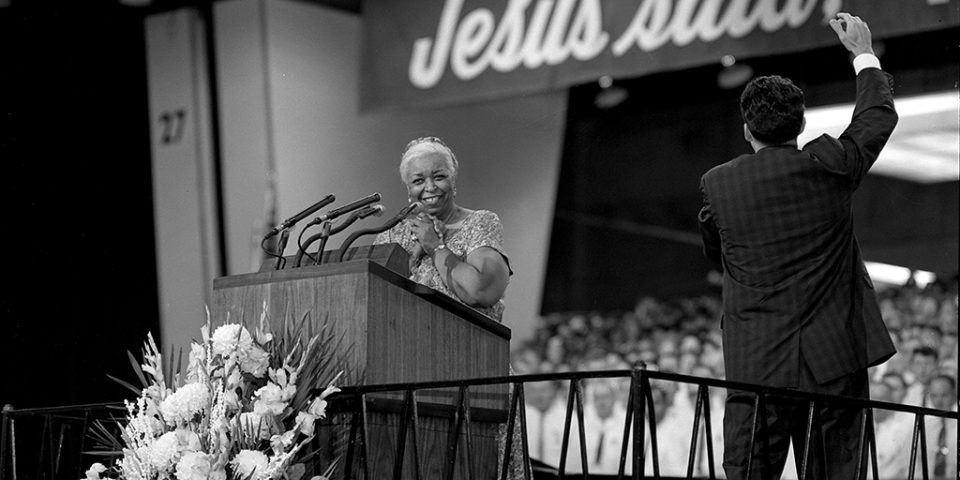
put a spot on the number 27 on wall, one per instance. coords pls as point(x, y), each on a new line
point(171, 123)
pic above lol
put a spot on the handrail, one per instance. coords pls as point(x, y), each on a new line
point(17, 412)
point(641, 405)
point(651, 374)
point(640, 420)
point(53, 441)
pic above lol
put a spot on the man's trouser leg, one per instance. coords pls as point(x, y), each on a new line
point(770, 444)
point(835, 440)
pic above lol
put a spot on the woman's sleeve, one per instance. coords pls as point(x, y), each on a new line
point(489, 233)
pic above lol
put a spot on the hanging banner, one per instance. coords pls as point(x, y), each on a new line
point(419, 53)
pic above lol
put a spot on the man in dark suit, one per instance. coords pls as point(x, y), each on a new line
point(799, 310)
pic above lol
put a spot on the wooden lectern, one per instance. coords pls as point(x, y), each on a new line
point(393, 330)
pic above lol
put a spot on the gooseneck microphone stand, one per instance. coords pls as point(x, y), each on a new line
point(403, 213)
point(328, 230)
point(281, 246)
point(325, 232)
point(284, 230)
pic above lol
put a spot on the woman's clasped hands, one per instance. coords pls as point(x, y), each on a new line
point(427, 232)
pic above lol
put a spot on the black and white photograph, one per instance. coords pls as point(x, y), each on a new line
point(480, 239)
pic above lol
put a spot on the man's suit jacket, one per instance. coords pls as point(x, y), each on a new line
point(795, 289)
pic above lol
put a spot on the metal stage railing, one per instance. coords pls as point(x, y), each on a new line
point(52, 440)
point(352, 407)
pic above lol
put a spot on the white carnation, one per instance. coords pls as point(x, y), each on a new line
point(254, 360)
point(185, 404)
point(233, 339)
point(229, 338)
point(164, 451)
point(194, 466)
point(187, 439)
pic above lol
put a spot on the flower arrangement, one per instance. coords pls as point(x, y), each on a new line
point(245, 408)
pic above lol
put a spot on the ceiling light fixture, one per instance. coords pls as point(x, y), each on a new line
point(733, 74)
point(610, 95)
point(897, 275)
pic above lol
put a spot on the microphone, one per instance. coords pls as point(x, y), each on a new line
point(403, 213)
point(364, 212)
point(374, 210)
point(374, 197)
point(329, 231)
point(300, 216)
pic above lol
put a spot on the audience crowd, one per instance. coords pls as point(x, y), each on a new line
point(683, 336)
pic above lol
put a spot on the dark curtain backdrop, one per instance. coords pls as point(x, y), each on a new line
point(80, 274)
point(628, 195)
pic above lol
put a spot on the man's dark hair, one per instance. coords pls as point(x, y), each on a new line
point(772, 108)
point(926, 351)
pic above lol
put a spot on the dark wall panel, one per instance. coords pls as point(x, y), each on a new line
point(80, 275)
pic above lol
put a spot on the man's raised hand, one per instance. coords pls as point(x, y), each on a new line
point(854, 33)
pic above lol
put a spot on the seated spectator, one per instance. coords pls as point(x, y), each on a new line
point(603, 421)
point(896, 385)
point(676, 430)
point(669, 363)
point(526, 360)
point(948, 354)
point(663, 406)
point(555, 350)
point(544, 413)
point(947, 317)
point(923, 366)
point(881, 392)
point(941, 433)
point(691, 343)
point(942, 392)
point(931, 336)
point(682, 335)
point(687, 362)
point(892, 430)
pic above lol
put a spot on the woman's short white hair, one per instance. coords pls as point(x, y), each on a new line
point(423, 145)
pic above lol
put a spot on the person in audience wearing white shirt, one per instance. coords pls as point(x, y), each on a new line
point(941, 432)
point(675, 430)
point(923, 366)
point(662, 393)
point(892, 430)
point(544, 410)
point(931, 336)
point(682, 426)
point(897, 385)
point(603, 418)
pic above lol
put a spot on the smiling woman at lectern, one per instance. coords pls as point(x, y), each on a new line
point(452, 249)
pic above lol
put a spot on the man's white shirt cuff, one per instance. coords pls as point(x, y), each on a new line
point(865, 60)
